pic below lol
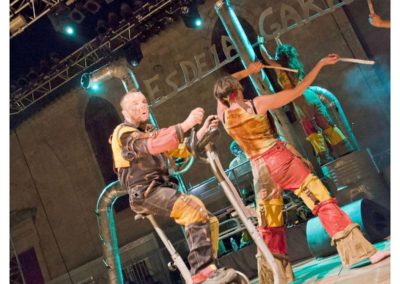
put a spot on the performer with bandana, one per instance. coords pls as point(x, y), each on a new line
point(277, 166)
point(309, 109)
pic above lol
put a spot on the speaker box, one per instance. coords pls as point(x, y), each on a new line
point(355, 176)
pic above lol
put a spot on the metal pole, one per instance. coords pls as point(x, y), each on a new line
point(228, 188)
point(177, 259)
point(247, 55)
point(107, 230)
point(331, 102)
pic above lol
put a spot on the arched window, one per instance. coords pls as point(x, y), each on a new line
point(100, 120)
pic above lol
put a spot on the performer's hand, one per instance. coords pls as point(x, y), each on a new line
point(195, 117)
point(255, 67)
point(331, 59)
point(375, 20)
point(210, 123)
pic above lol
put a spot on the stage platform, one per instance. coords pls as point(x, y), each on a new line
point(329, 270)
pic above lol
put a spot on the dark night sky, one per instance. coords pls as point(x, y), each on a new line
point(40, 39)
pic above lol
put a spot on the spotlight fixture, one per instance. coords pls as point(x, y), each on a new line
point(191, 16)
point(92, 6)
point(59, 18)
point(17, 23)
point(69, 30)
point(76, 15)
point(95, 86)
point(198, 22)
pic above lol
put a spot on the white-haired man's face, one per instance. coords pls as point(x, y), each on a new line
point(135, 108)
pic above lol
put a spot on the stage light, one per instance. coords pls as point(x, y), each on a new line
point(92, 6)
point(198, 22)
point(59, 18)
point(95, 87)
point(76, 15)
point(191, 16)
point(69, 30)
point(17, 23)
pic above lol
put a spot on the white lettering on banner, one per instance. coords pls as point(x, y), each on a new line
point(290, 18)
point(192, 71)
point(195, 70)
point(201, 65)
point(189, 70)
point(150, 90)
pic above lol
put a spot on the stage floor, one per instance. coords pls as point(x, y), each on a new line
point(329, 270)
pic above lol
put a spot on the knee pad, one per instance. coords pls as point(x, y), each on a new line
point(334, 135)
point(214, 229)
point(312, 191)
point(189, 209)
point(318, 142)
point(270, 212)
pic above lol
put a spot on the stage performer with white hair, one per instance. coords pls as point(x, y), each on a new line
point(140, 156)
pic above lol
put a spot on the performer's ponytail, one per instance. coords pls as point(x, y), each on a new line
point(226, 87)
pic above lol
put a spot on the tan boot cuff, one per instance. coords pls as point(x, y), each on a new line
point(265, 273)
point(352, 245)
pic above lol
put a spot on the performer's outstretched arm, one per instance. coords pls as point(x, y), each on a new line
point(376, 21)
point(253, 68)
point(264, 53)
point(265, 103)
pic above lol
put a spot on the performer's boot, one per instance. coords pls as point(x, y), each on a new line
point(265, 274)
point(340, 145)
point(201, 231)
point(275, 239)
point(352, 247)
point(201, 251)
point(320, 148)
